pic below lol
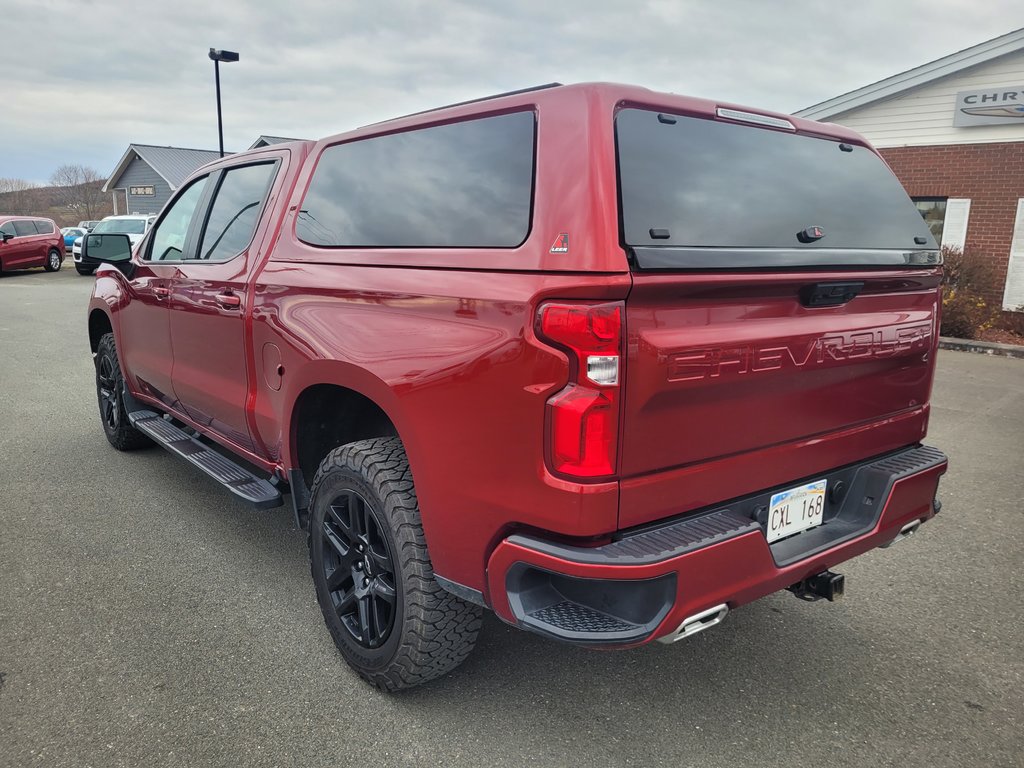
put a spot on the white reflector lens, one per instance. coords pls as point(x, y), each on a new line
point(753, 117)
point(603, 369)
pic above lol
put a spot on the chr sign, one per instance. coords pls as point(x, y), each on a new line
point(991, 106)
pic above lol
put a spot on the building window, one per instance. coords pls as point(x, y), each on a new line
point(933, 210)
point(141, 191)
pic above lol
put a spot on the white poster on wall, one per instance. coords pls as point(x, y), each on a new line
point(954, 227)
point(1013, 294)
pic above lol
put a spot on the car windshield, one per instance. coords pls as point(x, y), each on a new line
point(121, 227)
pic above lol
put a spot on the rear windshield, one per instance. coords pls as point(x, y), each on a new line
point(689, 182)
point(121, 227)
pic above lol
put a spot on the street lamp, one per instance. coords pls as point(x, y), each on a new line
point(217, 57)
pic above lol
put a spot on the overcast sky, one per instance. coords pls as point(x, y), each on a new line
point(82, 79)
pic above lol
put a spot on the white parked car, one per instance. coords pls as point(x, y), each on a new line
point(134, 225)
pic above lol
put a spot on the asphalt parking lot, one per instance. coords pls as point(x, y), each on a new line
point(148, 619)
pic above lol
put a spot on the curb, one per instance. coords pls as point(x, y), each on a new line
point(982, 347)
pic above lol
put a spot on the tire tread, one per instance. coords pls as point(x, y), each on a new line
point(439, 629)
point(127, 437)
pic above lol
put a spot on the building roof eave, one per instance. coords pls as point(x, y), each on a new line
point(982, 53)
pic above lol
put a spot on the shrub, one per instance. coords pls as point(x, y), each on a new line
point(967, 279)
point(1012, 321)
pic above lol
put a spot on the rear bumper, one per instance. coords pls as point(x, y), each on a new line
point(643, 585)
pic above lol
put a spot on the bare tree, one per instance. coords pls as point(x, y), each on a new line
point(78, 188)
point(17, 196)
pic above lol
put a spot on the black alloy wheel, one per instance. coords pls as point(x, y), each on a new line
point(358, 569)
point(107, 381)
point(110, 396)
point(393, 623)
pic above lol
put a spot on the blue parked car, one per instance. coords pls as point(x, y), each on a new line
point(70, 235)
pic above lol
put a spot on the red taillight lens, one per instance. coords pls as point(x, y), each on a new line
point(583, 419)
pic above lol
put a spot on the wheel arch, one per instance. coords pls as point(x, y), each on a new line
point(99, 324)
point(326, 415)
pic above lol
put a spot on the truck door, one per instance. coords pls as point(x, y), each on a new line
point(143, 321)
point(210, 300)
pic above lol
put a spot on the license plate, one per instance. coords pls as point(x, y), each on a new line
point(796, 509)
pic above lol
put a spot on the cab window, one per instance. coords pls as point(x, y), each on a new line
point(168, 240)
point(236, 211)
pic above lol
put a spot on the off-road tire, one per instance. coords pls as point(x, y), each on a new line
point(432, 631)
point(53, 263)
point(110, 396)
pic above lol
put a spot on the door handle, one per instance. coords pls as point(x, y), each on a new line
point(160, 292)
point(229, 300)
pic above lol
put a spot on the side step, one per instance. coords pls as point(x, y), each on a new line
point(240, 481)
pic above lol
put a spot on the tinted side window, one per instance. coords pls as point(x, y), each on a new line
point(236, 211)
point(168, 241)
point(467, 184)
point(44, 227)
point(24, 228)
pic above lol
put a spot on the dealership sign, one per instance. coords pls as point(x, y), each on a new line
point(991, 106)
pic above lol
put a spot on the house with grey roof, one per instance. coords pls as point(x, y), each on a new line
point(147, 176)
point(266, 141)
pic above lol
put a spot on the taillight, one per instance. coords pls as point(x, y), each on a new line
point(583, 419)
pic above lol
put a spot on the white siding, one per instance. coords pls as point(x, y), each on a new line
point(924, 115)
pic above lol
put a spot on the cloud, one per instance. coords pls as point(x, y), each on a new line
point(112, 73)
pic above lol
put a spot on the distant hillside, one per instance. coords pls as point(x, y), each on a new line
point(51, 202)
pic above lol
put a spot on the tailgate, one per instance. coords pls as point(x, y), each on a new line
point(735, 368)
point(783, 316)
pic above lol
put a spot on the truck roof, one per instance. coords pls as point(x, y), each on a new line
point(606, 97)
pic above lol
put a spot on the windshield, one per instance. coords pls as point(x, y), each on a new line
point(121, 227)
point(689, 182)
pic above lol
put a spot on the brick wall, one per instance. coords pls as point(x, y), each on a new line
point(991, 175)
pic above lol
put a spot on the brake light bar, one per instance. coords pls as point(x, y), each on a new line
point(756, 119)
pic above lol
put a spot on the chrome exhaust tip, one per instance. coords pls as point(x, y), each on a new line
point(906, 532)
point(697, 623)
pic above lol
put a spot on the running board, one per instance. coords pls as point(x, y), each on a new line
point(240, 481)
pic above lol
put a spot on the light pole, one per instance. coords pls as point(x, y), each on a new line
point(217, 57)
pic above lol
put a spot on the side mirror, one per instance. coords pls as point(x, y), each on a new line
point(109, 249)
point(6, 236)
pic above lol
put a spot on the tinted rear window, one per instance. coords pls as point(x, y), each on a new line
point(706, 183)
point(44, 227)
point(467, 184)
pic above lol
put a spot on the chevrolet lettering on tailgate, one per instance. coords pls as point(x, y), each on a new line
point(711, 362)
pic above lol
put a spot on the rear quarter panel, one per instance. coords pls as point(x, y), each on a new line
point(451, 358)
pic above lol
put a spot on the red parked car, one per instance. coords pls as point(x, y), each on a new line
point(608, 362)
point(30, 241)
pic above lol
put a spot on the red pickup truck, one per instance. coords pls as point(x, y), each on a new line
point(608, 362)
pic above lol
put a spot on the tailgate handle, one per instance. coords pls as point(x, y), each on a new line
point(829, 294)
